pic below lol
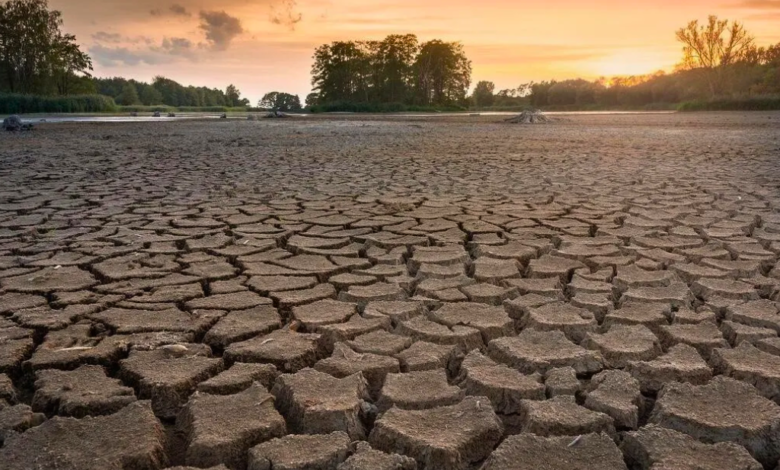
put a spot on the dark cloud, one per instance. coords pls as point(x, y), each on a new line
point(174, 10)
point(178, 47)
point(286, 14)
point(220, 28)
point(102, 36)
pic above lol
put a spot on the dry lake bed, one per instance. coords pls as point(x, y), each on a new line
point(392, 293)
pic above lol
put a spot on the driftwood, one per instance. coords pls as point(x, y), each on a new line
point(14, 123)
point(529, 117)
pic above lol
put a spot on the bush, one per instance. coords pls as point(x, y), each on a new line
point(757, 103)
point(183, 109)
point(27, 104)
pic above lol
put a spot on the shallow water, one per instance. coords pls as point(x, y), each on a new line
point(43, 119)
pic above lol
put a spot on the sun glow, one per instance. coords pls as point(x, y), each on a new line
point(631, 62)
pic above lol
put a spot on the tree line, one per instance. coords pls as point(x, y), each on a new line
point(720, 62)
point(397, 69)
point(164, 91)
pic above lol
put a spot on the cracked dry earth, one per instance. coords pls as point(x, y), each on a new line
point(598, 293)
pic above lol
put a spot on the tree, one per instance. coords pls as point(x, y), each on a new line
point(312, 99)
point(35, 56)
point(712, 47)
point(129, 95)
point(394, 66)
point(280, 102)
point(442, 73)
point(150, 96)
point(233, 97)
point(342, 71)
point(483, 94)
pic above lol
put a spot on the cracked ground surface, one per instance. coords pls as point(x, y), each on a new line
point(369, 293)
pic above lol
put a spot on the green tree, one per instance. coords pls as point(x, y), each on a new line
point(442, 73)
point(280, 102)
point(150, 96)
point(129, 95)
point(35, 55)
point(483, 94)
point(312, 99)
point(394, 66)
point(342, 71)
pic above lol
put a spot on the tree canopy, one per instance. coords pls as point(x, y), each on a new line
point(394, 70)
point(35, 55)
point(280, 102)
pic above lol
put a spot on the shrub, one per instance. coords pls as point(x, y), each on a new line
point(756, 103)
point(27, 104)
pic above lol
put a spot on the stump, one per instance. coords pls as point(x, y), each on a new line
point(529, 117)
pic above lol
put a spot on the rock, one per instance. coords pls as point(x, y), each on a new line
point(322, 452)
point(682, 363)
point(617, 394)
point(316, 403)
point(238, 378)
point(221, 429)
point(622, 344)
point(751, 365)
point(538, 351)
point(345, 362)
point(724, 410)
point(503, 386)
point(86, 391)
point(561, 416)
point(287, 350)
point(130, 438)
point(655, 448)
point(418, 391)
point(366, 458)
point(168, 380)
point(531, 452)
point(444, 438)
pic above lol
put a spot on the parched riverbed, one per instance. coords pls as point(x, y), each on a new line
point(392, 293)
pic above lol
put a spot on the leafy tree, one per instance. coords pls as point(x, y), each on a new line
point(483, 94)
point(150, 96)
point(342, 71)
point(129, 95)
point(442, 72)
point(280, 102)
point(35, 55)
point(233, 97)
point(713, 46)
point(394, 65)
point(312, 99)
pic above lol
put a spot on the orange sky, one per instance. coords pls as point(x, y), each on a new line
point(267, 45)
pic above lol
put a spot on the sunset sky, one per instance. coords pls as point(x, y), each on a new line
point(267, 45)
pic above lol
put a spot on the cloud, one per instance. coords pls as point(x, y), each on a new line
point(177, 47)
point(102, 36)
point(174, 10)
point(113, 56)
point(286, 14)
point(220, 28)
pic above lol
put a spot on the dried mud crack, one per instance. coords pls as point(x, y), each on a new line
point(391, 294)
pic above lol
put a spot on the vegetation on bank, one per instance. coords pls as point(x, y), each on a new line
point(28, 104)
point(758, 103)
